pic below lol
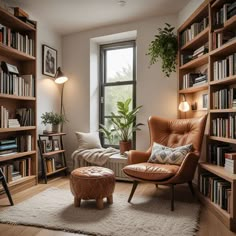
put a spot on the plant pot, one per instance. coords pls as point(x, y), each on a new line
point(56, 128)
point(125, 146)
point(48, 129)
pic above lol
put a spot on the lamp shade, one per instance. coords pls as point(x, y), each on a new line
point(184, 106)
point(60, 78)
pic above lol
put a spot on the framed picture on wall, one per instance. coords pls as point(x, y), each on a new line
point(49, 60)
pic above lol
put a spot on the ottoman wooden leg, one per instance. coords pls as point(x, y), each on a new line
point(77, 202)
point(110, 199)
point(99, 203)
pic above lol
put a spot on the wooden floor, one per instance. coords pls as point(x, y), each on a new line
point(209, 224)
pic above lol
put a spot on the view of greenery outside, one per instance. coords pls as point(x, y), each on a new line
point(119, 68)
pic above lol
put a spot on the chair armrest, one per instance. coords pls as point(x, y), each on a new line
point(188, 167)
point(135, 157)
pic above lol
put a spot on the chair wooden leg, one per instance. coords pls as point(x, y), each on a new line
point(172, 196)
point(156, 185)
point(77, 202)
point(135, 184)
point(99, 203)
point(110, 199)
point(4, 184)
point(190, 184)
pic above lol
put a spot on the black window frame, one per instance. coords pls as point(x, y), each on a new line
point(103, 83)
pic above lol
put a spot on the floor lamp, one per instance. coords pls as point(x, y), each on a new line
point(60, 78)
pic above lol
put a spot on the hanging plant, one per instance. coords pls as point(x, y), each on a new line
point(165, 47)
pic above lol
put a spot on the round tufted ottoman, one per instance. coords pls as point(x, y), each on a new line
point(92, 182)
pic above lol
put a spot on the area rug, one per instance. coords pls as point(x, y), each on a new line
point(146, 216)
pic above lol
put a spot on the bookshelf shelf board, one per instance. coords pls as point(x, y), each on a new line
point(21, 180)
point(222, 110)
point(16, 155)
point(224, 215)
point(56, 171)
point(4, 130)
point(228, 80)
point(9, 96)
point(48, 154)
point(218, 170)
point(13, 22)
point(197, 41)
point(195, 62)
point(194, 89)
point(221, 139)
point(218, 3)
point(14, 53)
point(51, 134)
point(225, 50)
point(228, 25)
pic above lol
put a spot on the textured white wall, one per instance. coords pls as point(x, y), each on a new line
point(157, 94)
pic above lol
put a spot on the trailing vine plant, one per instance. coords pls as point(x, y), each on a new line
point(164, 47)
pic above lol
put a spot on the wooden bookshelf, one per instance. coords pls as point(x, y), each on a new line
point(26, 65)
point(193, 94)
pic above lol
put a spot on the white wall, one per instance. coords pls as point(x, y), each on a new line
point(188, 10)
point(157, 94)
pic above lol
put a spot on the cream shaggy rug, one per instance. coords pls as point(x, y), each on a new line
point(54, 209)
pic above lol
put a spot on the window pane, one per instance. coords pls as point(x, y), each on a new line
point(113, 94)
point(119, 65)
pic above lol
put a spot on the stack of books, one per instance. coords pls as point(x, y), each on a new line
point(22, 15)
point(202, 79)
point(193, 79)
point(221, 38)
point(230, 162)
point(8, 146)
point(216, 154)
point(200, 51)
point(13, 123)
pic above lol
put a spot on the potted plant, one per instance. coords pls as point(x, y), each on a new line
point(54, 119)
point(165, 47)
point(123, 125)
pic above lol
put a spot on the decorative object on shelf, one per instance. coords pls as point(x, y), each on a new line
point(164, 47)
point(123, 124)
point(54, 119)
point(204, 101)
point(184, 105)
point(55, 145)
point(49, 61)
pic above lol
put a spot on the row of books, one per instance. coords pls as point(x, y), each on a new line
point(216, 153)
point(16, 85)
point(16, 40)
point(52, 164)
point(24, 116)
point(216, 189)
point(230, 162)
point(12, 145)
point(193, 79)
point(221, 38)
point(224, 68)
point(19, 169)
point(224, 127)
point(224, 98)
point(193, 30)
point(223, 14)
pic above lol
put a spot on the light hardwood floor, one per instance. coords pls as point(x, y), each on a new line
point(209, 224)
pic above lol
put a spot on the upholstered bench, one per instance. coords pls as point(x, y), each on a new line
point(92, 182)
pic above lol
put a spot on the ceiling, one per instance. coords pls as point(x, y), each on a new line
point(68, 16)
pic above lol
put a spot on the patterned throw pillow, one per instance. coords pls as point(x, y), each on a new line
point(166, 155)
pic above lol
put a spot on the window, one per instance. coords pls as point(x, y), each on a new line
point(118, 80)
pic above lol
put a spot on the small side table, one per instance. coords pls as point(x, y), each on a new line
point(52, 154)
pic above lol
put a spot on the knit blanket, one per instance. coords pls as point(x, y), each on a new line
point(96, 156)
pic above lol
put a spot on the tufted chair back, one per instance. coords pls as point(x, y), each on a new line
point(177, 132)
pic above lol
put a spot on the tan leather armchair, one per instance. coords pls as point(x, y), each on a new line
point(171, 133)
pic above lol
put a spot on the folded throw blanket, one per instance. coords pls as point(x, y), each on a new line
point(96, 156)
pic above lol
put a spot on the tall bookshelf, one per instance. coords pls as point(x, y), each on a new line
point(25, 62)
point(220, 35)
